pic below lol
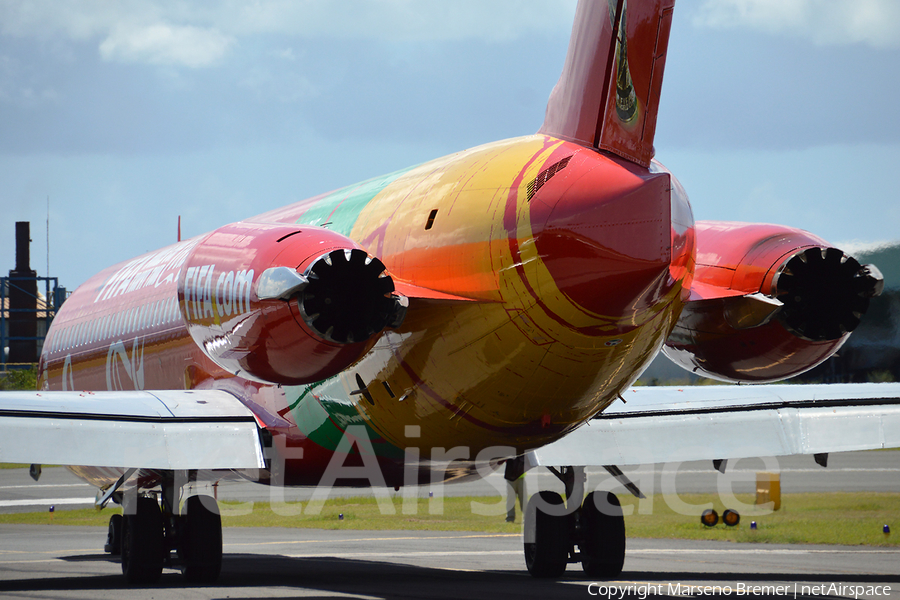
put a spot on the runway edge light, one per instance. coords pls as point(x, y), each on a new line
point(709, 518)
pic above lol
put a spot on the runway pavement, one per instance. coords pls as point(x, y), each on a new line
point(57, 562)
point(849, 471)
point(43, 562)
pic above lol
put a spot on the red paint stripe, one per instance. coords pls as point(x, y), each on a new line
point(509, 223)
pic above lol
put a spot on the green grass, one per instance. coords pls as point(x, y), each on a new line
point(81, 516)
point(852, 518)
point(456, 514)
point(834, 518)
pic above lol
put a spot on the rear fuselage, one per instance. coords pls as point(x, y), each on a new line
point(554, 273)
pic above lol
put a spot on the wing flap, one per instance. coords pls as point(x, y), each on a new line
point(659, 425)
point(170, 430)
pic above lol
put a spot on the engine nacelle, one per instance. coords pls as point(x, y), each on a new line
point(767, 303)
point(285, 304)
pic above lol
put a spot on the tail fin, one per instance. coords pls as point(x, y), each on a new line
point(608, 94)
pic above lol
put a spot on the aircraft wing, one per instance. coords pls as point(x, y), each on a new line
point(172, 430)
point(668, 424)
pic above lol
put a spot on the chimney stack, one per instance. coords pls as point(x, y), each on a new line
point(22, 296)
point(23, 247)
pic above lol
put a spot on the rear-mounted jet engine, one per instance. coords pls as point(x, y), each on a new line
point(285, 304)
point(770, 303)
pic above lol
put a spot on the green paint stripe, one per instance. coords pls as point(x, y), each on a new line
point(323, 419)
point(340, 209)
point(308, 390)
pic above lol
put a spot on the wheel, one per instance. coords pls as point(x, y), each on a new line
point(546, 537)
point(114, 536)
point(731, 517)
point(143, 542)
point(603, 527)
point(201, 540)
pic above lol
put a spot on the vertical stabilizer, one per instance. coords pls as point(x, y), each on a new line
point(608, 94)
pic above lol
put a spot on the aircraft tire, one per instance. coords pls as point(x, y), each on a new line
point(143, 543)
point(201, 542)
point(548, 554)
point(603, 550)
point(114, 536)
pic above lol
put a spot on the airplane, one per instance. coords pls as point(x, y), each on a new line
point(427, 325)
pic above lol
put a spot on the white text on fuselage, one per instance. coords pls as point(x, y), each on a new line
point(212, 295)
point(151, 270)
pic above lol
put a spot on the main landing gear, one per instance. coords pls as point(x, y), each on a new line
point(553, 530)
point(151, 529)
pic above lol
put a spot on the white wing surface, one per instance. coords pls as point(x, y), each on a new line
point(663, 424)
point(171, 430)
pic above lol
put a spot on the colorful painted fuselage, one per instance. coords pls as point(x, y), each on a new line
point(555, 274)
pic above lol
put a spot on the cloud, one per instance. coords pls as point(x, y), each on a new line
point(126, 31)
point(856, 247)
point(69, 19)
point(827, 22)
point(398, 20)
point(380, 20)
point(20, 87)
point(164, 44)
point(199, 34)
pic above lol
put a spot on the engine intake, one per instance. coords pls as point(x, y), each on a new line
point(348, 297)
point(824, 293)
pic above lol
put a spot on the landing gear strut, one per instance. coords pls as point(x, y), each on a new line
point(152, 528)
point(558, 533)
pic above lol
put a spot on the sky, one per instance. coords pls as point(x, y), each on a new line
point(123, 116)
